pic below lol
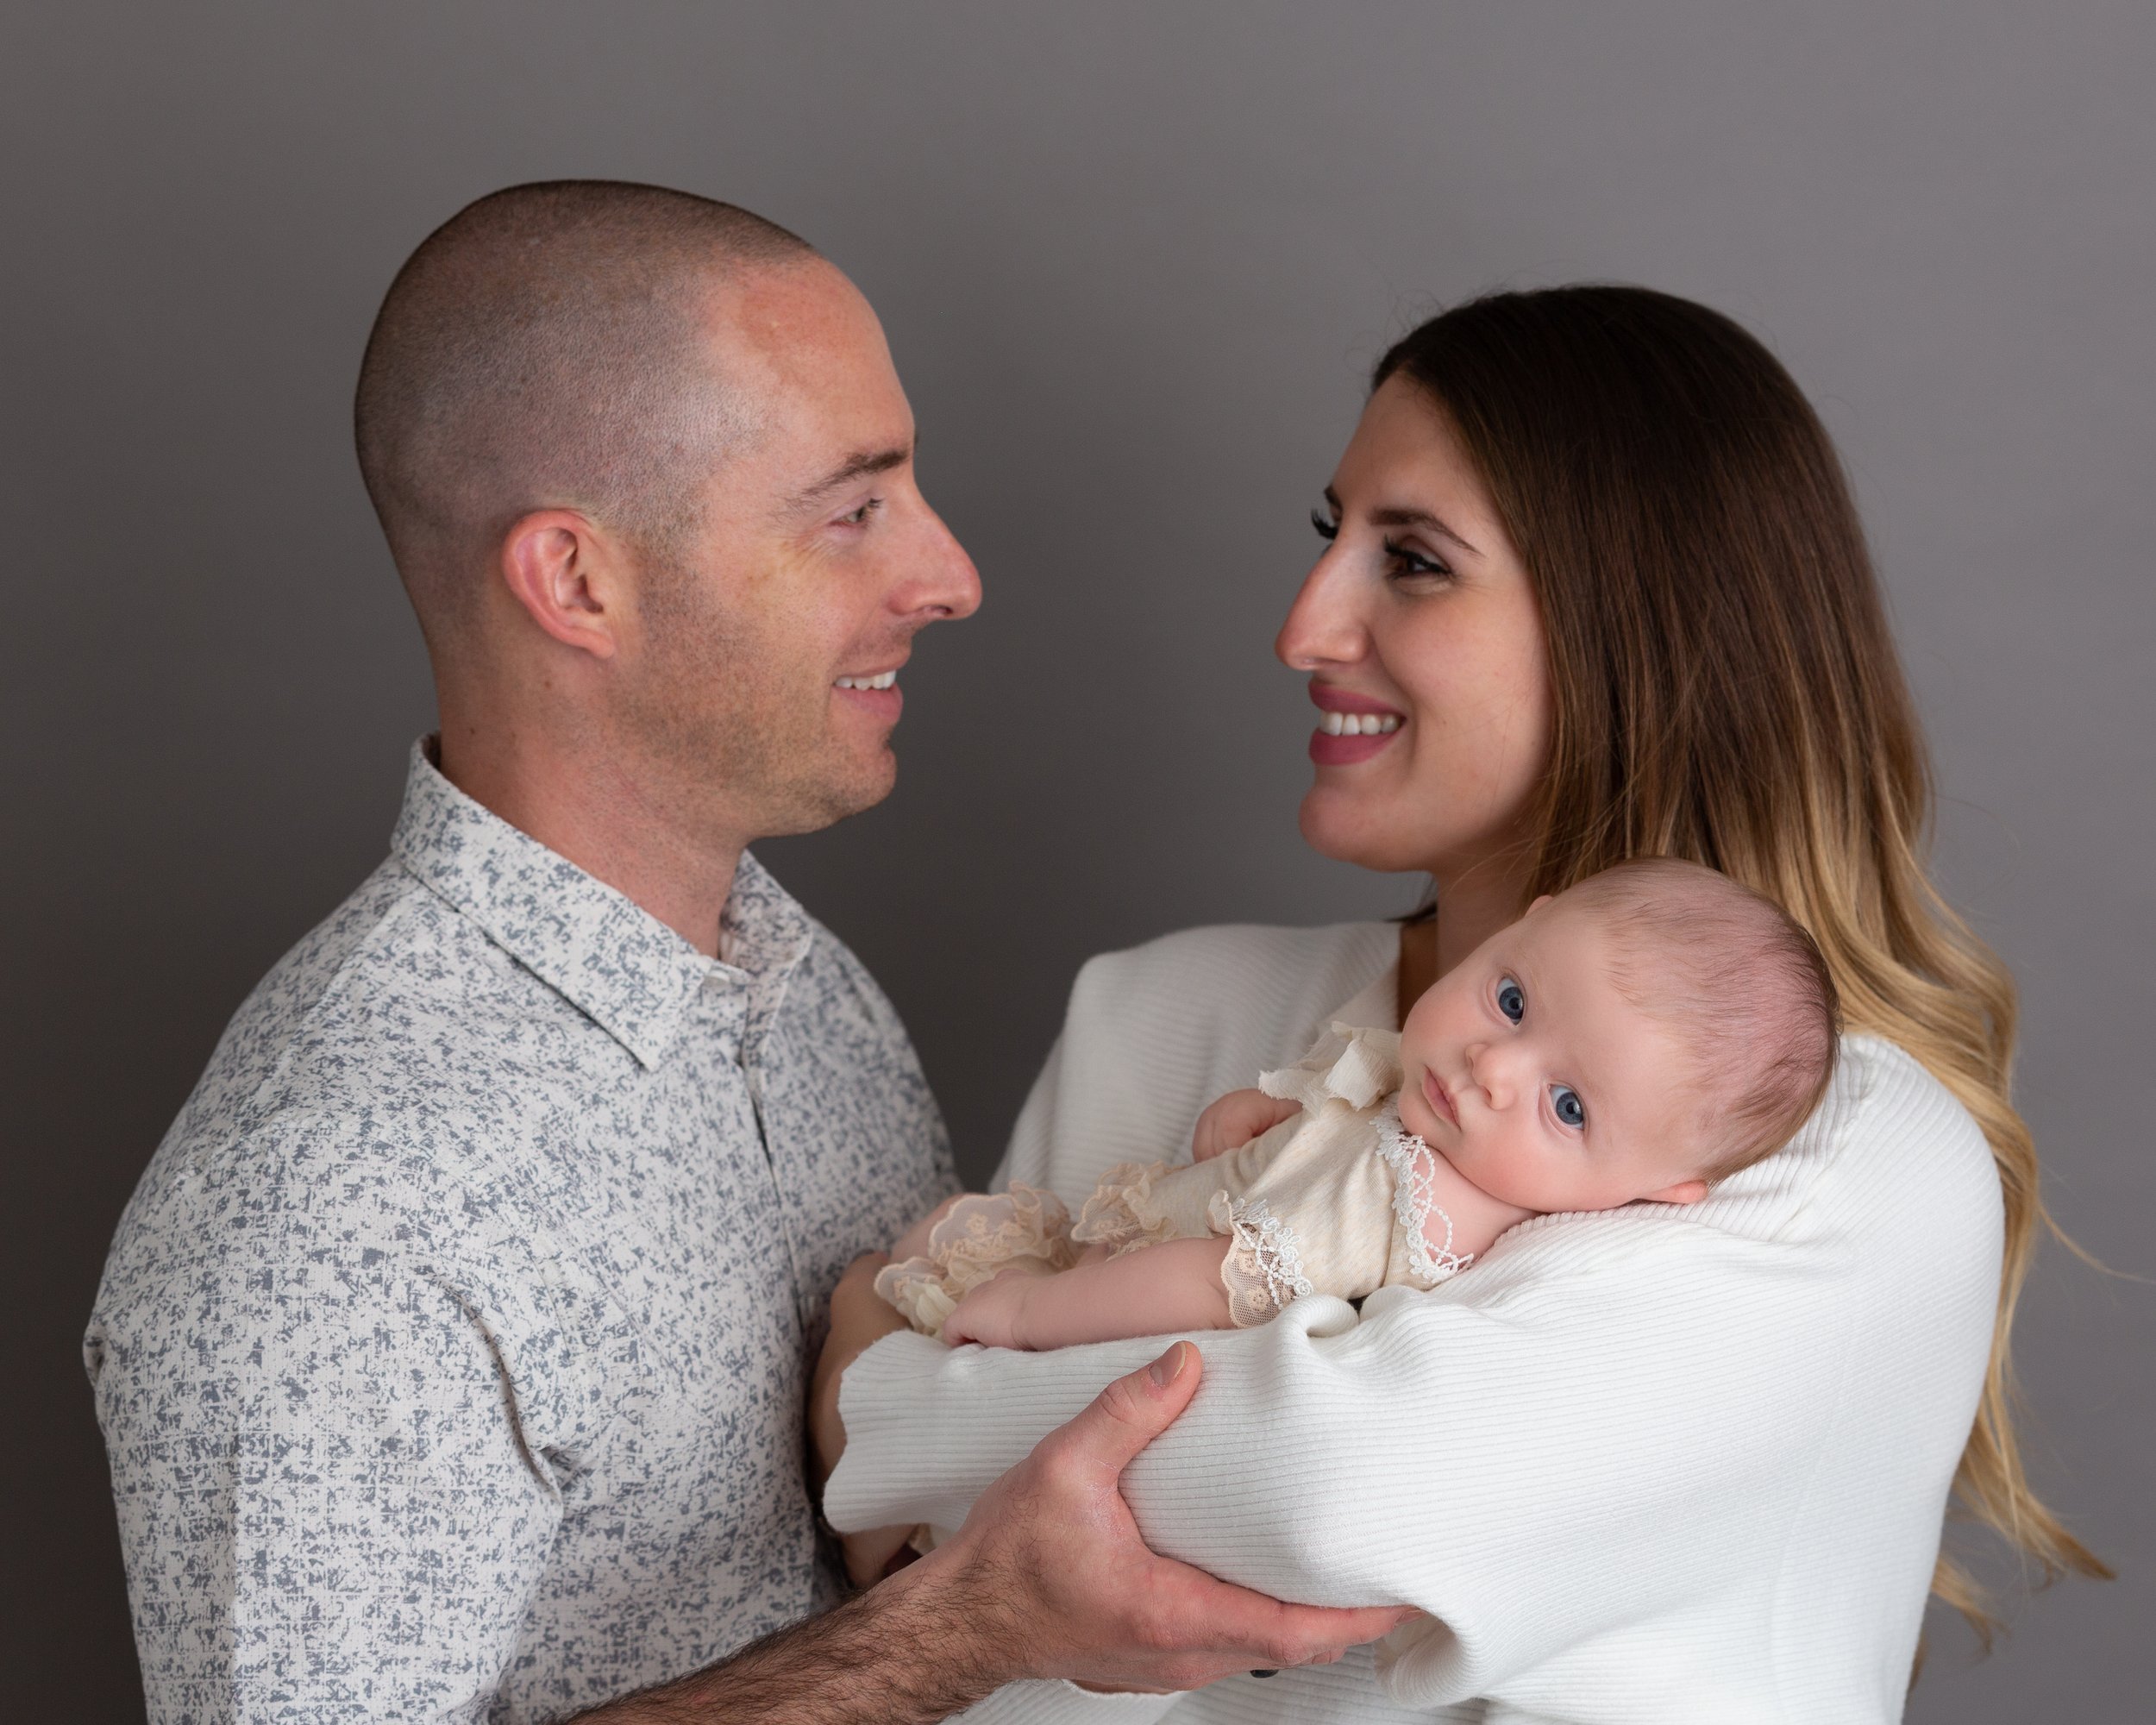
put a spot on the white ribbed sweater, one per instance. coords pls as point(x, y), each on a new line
point(1651, 1465)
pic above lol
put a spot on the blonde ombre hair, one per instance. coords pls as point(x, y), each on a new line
point(1726, 691)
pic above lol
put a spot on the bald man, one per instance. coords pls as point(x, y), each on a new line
point(452, 1356)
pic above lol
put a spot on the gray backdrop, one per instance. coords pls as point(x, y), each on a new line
point(1134, 260)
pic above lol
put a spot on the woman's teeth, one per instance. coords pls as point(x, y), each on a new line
point(1359, 724)
point(882, 679)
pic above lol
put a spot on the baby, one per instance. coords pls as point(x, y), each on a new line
point(1635, 1038)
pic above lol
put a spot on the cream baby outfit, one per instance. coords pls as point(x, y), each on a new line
point(1333, 1200)
point(1680, 1464)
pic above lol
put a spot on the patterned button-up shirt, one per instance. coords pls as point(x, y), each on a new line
point(451, 1355)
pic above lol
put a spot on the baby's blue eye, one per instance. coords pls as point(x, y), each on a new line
point(1511, 1000)
point(1566, 1100)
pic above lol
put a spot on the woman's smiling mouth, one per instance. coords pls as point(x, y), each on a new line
point(1354, 727)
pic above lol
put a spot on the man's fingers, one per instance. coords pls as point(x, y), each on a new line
point(1265, 1631)
point(1131, 1413)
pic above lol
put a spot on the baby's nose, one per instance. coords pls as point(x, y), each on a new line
point(1491, 1071)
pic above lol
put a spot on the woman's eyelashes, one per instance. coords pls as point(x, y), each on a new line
point(1402, 561)
point(1408, 565)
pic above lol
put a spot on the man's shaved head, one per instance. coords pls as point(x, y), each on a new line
point(549, 347)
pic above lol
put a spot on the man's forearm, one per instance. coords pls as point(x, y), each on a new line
point(916, 1649)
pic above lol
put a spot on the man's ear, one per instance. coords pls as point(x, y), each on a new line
point(565, 574)
point(1684, 1192)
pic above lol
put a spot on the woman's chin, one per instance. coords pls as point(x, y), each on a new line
point(1348, 829)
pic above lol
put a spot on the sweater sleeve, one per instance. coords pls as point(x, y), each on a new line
point(1532, 1468)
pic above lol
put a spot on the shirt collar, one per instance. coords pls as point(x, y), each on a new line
point(616, 962)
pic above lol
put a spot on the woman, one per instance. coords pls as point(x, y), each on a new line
point(1594, 588)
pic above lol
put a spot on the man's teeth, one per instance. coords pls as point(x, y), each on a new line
point(882, 679)
point(1359, 724)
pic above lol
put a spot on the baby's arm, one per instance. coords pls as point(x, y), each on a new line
point(1235, 1120)
point(1155, 1290)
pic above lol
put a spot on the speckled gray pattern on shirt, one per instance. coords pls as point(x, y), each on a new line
point(451, 1354)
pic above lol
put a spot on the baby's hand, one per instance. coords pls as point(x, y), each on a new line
point(992, 1313)
point(1235, 1120)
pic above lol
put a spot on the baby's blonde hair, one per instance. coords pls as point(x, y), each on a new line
point(1744, 986)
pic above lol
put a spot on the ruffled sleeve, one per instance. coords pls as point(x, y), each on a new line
point(1349, 1064)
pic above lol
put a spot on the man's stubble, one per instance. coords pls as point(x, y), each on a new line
point(736, 722)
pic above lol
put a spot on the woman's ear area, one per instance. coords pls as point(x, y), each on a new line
point(563, 572)
point(1539, 903)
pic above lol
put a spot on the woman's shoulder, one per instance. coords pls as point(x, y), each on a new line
point(1891, 1161)
point(1884, 1091)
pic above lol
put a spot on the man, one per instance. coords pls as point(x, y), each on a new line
point(451, 1355)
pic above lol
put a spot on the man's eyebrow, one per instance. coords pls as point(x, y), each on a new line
point(855, 467)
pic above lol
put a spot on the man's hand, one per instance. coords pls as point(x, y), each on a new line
point(859, 1319)
point(1048, 1578)
point(1053, 1579)
point(1235, 1120)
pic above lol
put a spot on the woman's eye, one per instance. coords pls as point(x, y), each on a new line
point(1569, 1108)
point(1406, 563)
point(1328, 529)
point(1511, 1000)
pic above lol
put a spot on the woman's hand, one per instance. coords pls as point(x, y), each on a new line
point(1235, 1120)
point(860, 1318)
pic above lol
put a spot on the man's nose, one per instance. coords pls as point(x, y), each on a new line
point(1324, 624)
point(943, 582)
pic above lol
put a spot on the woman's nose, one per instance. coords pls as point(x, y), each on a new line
point(1323, 626)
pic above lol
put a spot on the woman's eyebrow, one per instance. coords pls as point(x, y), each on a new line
point(1422, 517)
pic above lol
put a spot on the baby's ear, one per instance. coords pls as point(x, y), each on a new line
point(1684, 1192)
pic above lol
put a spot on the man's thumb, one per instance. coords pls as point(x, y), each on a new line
point(1137, 1409)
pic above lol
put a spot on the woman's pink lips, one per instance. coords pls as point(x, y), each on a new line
point(1440, 1098)
point(1328, 751)
point(1346, 701)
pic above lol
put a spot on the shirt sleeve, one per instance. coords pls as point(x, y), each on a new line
point(1578, 1446)
point(331, 1503)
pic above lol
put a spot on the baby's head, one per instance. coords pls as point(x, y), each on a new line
point(1641, 1035)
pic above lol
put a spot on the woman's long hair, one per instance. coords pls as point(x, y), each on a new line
point(1726, 690)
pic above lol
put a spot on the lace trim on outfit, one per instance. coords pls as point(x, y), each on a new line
point(1112, 1216)
point(1263, 1271)
point(1414, 1167)
point(983, 1232)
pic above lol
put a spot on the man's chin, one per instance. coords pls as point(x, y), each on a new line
point(827, 804)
